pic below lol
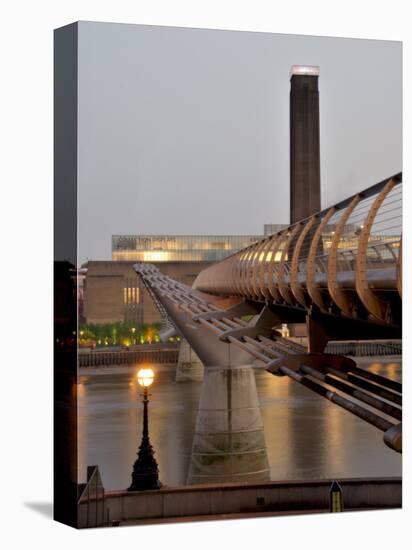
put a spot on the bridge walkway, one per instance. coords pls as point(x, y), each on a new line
point(372, 397)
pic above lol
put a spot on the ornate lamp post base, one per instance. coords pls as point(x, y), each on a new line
point(145, 475)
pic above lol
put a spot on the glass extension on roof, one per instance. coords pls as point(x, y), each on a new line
point(178, 248)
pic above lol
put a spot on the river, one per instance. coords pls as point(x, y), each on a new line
point(307, 437)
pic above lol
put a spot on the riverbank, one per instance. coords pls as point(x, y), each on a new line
point(124, 369)
point(120, 369)
point(170, 504)
point(155, 353)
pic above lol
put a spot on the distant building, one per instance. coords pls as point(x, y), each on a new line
point(178, 248)
point(114, 292)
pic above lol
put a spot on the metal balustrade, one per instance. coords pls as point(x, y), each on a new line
point(346, 258)
point(160, 354)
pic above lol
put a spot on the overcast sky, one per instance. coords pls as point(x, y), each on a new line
point(186, 131)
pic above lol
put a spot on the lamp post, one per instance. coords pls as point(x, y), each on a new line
point(145, 475)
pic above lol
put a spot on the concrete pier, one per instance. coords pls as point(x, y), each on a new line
point(229, 443)
point(189, 366)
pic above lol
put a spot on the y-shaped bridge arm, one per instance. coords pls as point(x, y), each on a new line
point(223, 338)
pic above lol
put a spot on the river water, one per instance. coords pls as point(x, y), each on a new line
point(306, 436)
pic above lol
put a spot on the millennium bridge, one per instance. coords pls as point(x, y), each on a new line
point(344, 260)
point(340, 273)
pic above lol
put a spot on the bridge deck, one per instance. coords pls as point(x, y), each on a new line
point(373, 398)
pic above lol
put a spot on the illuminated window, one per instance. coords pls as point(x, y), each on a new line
point(156, 256)
point(167, 248)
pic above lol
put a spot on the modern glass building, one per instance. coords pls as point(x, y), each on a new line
point(178, 248)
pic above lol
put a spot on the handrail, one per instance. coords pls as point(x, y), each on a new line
point(300, 266)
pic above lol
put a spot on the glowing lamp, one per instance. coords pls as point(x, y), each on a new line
point(145, 474)
point(145, 377)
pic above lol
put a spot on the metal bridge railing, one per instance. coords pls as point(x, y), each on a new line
point(346, 257)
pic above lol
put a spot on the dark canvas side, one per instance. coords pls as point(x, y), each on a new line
point(65, 284)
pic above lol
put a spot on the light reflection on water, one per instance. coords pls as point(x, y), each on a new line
point(306, 435)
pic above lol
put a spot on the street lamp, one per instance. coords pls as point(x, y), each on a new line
point(145, 475)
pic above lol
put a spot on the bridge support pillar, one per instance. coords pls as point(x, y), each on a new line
point(321, 328)
point(229, 443)
point(189, 366)
point(317, 334)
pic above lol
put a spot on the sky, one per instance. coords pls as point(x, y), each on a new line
point(186, 131)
